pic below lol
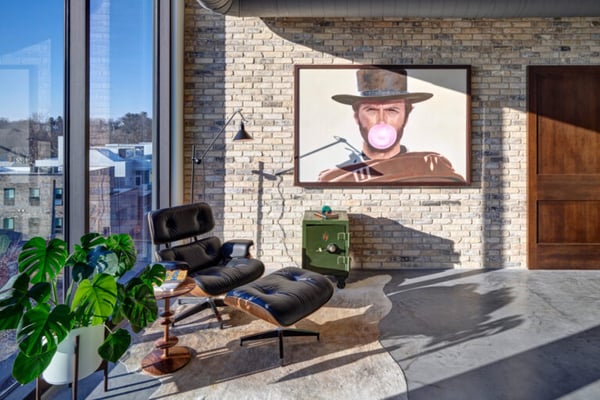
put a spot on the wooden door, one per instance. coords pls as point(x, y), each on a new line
point(564, 167)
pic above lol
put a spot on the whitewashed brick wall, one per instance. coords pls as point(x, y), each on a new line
point(248, 63)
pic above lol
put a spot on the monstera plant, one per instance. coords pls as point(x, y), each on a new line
point(30, 303)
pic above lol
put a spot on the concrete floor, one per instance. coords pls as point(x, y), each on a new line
point(472, 334)
point(499, 334)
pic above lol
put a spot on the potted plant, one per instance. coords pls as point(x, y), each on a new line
point(29, 301)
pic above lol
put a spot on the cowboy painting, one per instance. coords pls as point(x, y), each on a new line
point(381, 110)
point(374, 137)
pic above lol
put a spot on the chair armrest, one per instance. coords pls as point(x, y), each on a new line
point(236, 248)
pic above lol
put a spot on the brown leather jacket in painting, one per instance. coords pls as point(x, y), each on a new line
point(415, 167)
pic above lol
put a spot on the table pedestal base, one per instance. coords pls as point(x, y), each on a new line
point(167, 357)
point(156, 363)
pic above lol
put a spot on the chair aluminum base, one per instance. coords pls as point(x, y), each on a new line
point(201, 303)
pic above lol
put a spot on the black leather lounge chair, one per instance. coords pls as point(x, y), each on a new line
point(177, 232)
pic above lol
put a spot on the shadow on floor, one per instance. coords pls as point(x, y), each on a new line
point(494, 334)
point(551, 371)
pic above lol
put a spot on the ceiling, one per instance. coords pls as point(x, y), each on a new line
point(404, 8)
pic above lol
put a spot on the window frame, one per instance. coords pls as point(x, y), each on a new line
point(8, 199)
point(58, 196)
point(8, 223)
point(33, 199)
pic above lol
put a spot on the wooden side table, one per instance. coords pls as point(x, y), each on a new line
point(167, 357)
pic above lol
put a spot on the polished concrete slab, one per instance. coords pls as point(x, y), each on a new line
point(473, 334)
point(496, 334)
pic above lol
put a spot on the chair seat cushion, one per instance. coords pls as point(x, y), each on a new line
point(218, 280)
point(283, 297)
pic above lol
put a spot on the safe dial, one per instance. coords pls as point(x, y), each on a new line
point(332, 248)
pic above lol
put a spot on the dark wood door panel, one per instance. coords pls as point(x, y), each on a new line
point(567, 95)
point(553, 256)
point(568, 120)
point(567, 187)
point(567, 149)
point(564, 167)
point(569, 222)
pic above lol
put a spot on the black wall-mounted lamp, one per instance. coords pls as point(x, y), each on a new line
point(241, 135)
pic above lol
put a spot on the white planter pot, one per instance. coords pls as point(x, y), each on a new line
point(60, 370)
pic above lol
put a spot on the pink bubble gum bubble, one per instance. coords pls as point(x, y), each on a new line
point(382, 136)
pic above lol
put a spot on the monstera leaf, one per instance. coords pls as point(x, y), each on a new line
point(153, 275)
point(95, 300)
point(41, 329)
point(40, 333)
point(115, 345)
point(43, 261)
point(25, 369)
point(86, 258)
point(139, 304)
point(87, 243)
point(16, 296)
point(124, 247)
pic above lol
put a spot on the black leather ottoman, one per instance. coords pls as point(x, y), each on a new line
point(282, 298)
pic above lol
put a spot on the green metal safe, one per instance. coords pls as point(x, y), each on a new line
point(326, 245)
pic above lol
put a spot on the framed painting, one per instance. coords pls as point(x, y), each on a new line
point(382, 125)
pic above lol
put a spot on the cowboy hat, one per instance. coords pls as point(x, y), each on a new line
point(381, 84)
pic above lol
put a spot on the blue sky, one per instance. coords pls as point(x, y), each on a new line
point(33, 30)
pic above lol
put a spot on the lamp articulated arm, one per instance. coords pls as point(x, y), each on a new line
point(196, 160)
point(241, 135)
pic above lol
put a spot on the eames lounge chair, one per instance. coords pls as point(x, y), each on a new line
point(177, 232)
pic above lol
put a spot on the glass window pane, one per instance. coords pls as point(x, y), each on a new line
point(9, 196)
point(34, 196)
point(31, 129)
point(121, 118)
point(58, 225)
point(9, 223)
point(58, 197)
point(31, 115)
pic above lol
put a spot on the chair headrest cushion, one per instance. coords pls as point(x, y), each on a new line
point(180, 222)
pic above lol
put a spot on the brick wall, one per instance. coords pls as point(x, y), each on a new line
point(248, 63)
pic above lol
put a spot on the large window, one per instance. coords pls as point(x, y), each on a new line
point(106, 63)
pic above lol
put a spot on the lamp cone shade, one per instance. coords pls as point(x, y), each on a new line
point(242, 134)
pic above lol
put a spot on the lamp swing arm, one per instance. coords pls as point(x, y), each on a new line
point(196, 160)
